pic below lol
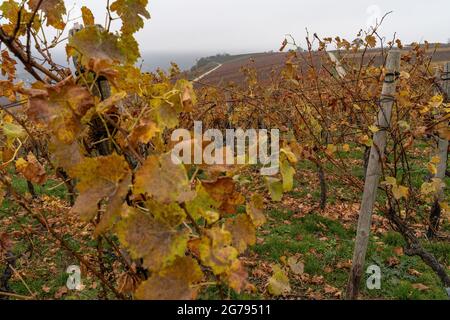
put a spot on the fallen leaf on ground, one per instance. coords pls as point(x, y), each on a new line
point(420, 286)
point(296, 265)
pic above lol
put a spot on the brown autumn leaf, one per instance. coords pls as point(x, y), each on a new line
point(223, 190)
point(236, 277)
point(163, 180)
point(371, 41)
point(242, 231)
point(100, 51)
point(174, 282)
point(143, 132)
point(328, 289)
point(8, 65)
point(127, 283)
point(216, 251)
point(347, 264)
point(414, 272)
point(54, 10)
point(60, 108)
point(60, 292)
point(46, 288)
point(155, 241)
point(88, 17)
point(398, 251)
point(10, 11)
point(392, 261)
point(296, 265)
point(64, 155)
point(114, 206)
point(420, 287)
point(255, 209)
point(100, 178)
point(5, 242)
point(31, 169)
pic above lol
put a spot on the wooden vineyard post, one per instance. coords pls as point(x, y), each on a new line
point(442, 150)
point(373, 175)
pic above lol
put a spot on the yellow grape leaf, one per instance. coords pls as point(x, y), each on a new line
point(105, 105)
point(444, 206)
point(436, 101)
point(331, 149)
point(171, 213)
point(223, 191)
point(98, 178)
point(187, 98)
point(166, 115)
point(404, 75)
point(130, 48)
point(88, 17)
point(174, 282)
point(432, 168)
point(374, 128)
point(13, 131)
point(130, 11)
point(345, 148)
point(275, 187)
point(291, 157)
point(432, 187)
point(243, 232)
point(153, 240)
point(404, 125)
point(255, 209)
point(400, 192)
point(390, 181)
point(287, 172)
point(163, 180)
point(211, 216)
point(31, 169)
point(278, 283)
point(202, 204)
point(10, 11)
point(435, 159)
point(54, 10)
point(371, 41)
point(365, 140)
point(99, 50)
point(216, 251)
point(143, 132)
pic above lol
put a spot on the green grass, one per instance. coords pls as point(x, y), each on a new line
point(303, 234)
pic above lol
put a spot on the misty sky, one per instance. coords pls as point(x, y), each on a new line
point(237, 26)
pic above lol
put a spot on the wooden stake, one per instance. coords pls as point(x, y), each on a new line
point(373, 174)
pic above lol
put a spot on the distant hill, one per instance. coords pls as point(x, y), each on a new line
point(269, 64)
